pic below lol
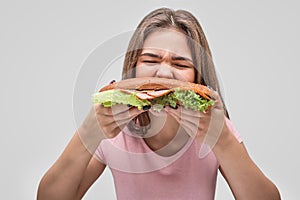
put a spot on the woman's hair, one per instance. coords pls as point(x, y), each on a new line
point(185, 22)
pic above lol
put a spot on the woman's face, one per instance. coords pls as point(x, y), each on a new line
point(166, 54)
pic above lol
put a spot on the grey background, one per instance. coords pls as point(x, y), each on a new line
point(43, 46)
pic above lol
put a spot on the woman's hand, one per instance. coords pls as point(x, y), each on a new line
point(207, 126)
point(113, 120)
point(102, 122)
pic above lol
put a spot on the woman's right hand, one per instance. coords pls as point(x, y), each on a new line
point(112, 120)
point(103, 122)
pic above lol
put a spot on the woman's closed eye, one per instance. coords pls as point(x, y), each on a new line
point(182, 66)
point(149, 61)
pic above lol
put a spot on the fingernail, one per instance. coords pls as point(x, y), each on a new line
point(210, 87)
point(112, 81)
point(146, 107)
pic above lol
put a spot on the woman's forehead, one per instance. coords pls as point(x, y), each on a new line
point(161, 53)
point(167, 40)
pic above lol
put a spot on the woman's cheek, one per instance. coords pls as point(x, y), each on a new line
point(185, 75)
point(145, 71)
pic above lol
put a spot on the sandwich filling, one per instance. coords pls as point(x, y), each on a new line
point(158, 99)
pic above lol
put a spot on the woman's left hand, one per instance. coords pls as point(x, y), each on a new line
point(207, 126)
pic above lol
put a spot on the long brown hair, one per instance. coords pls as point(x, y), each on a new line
point(185, 22)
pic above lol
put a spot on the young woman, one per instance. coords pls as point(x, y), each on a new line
point(165, 159)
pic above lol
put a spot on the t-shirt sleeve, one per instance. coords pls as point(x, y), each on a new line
point(233, 130)
point(99, 154)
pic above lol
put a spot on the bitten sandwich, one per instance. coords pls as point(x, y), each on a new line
point(155, 92)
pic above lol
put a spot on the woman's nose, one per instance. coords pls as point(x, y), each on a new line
point(164, 71)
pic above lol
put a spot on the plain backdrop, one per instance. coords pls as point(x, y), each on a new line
point(44, 46)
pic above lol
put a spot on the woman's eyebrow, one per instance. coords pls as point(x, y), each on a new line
point(181, 58)
point(151, 55)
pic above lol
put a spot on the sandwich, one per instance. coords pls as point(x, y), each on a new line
point(156, 93)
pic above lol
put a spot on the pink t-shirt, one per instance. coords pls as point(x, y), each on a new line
point(139, 173)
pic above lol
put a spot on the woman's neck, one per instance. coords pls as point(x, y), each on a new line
point(167, 137)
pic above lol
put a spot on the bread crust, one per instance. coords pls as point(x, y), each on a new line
point(155, 83)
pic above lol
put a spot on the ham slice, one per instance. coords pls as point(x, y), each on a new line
point(158, 93)
point(144, 96)
point(147, 94)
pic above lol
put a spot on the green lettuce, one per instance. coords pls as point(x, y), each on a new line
point(187, 98)
point(112, 97)
point(190, 100)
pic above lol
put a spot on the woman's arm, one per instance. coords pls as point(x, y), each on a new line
point(64, 180)
point(245, 179)
point(72, 174)
point(76, 169)
point(243, 176)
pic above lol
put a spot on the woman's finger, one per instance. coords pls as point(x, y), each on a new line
point(127, 114)
point(114, 110)
point(189, 122)
point(217, 100)
point(183, 111)
point(123, 119)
